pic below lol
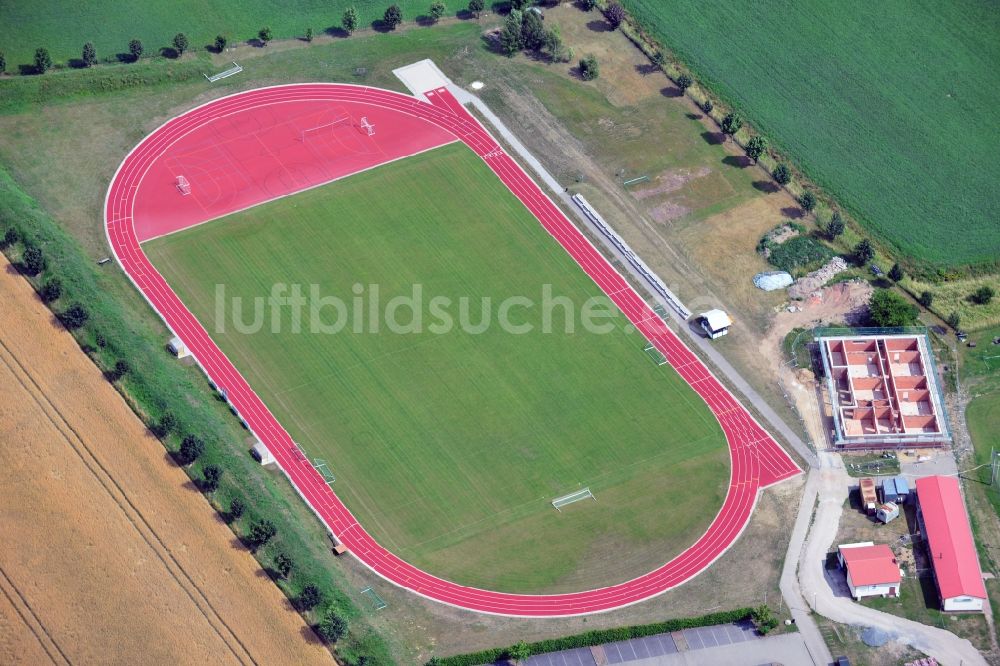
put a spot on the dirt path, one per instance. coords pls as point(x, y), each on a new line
point(109, 553)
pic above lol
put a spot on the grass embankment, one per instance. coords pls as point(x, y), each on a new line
point(157, 384)
point(517, 417)
point(110, 25)
point(904, 123)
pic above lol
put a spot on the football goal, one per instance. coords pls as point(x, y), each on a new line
point(344, 119)
point(324, 470)
point(581, 494)
point(367, 126)
point(655, 354)
point(377, 602)
point(183, 185)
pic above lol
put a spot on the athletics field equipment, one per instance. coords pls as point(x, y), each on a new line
point(139, 207)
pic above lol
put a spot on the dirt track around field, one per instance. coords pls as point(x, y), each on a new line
point(109, 553)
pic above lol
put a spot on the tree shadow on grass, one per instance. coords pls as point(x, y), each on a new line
point(714, 138)
point(600, 25)
point(672, 91)
point(336, 31)
point(766, 186)
point(170, 52)
point(793, 212)
point(694, 116)
point(647, 69)
point(738, 161)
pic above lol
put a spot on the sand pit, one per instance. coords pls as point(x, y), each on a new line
point(109, 555)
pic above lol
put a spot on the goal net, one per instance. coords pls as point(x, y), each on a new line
point(367, 126)
point(183, 186)
point(309, 132)
point(559, 502)
point(324, 470)
point(655, 354)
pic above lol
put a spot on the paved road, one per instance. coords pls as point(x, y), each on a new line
point(831, 484)
point(787, 649)
point(735, 380)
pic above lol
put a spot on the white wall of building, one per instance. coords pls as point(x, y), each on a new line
point(872, 590)
point(963, 604)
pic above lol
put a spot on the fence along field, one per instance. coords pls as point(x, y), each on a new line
point(63, 28)
point(886, 104)
point(451, 447)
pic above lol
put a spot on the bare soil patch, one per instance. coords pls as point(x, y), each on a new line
point(110, 554)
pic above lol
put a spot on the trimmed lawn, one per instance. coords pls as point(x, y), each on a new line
point(449, 446)
point(882, 103)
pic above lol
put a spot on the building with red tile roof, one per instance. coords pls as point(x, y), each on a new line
point(871, 570)
point(944, 524)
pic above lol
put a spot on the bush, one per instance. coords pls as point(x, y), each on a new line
point(43, 61)
point(782, 175)
point(166, 425)
point(954, 320)
point(180, 43)
point(89, 55)
point(309, 34)
point(589, 69)
point(707, 106)
point(615, 13)
point(926, 299)
point(9, 238)
point(260, 533)
point(393, 16)
point(437, 10)
point(731, 124)
point(350, 20)
point(32, 261)
point(836, 226)
point(896, 272)
point(220, 43)
point(532, 31)
point(983, 295)
point(135, 48)
point(756, 147)
point(476, 7)
point(265, 35)
point(807, 201)
point(74, 317)
point(332, 627)
point(236, 508)
point(309, 598)
point(684, 82)
point(889, 309)
point(589, 5)
point(210, 478)
point(3, 62)
point(191, 449)
point(763, 619)
point(863, 252)
point(119, 370)
point(51, 290)
point(283, 564)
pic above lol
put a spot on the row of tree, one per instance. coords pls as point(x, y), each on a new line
point(330, 624)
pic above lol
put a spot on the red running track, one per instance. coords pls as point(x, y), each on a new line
point(757, 460)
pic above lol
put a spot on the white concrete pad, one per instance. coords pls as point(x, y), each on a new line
point(421, 77)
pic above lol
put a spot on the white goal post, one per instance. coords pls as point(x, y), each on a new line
point(367, 126)
point(183, 185)
point(333, 123)
point(582, 494)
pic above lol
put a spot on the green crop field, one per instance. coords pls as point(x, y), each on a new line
point(888, 105)
point(63, 27)
point(449, 446)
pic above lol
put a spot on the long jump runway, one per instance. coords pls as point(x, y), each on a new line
point(242, 150)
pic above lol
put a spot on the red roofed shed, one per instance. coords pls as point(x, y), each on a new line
point(945, 525)
point(871, 570)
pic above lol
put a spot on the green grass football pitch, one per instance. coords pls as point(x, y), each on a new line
point(449, 446)
point(886, 104)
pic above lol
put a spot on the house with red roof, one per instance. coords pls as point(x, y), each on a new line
point(944, 524)
point(872, 571)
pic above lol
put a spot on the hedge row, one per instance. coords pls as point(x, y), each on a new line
point(597, 637)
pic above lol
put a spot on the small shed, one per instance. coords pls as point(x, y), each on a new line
point(895, 489)
point(869, 498)
point(178, 348)
point(261, 454)
point(871, 570)
point(715, 323)
point(887, 512)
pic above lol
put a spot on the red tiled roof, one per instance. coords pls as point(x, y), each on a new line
point(871, 565)
point(949, 538)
